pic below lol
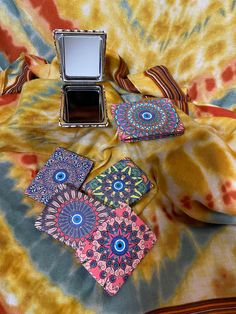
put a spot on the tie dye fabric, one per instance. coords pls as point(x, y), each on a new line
point(172, 49)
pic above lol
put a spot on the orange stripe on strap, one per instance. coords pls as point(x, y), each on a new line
point(169, 78)
point(215, 306)
point(121, 77)
point(159, 82)
point(24, 76)
point(169, 87)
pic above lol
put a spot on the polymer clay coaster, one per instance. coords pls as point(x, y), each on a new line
point(146, 120)
point(63, 166)
point(71, 216)
point(114, 250)
point(124, 182)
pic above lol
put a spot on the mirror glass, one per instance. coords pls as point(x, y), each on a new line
point(83, 105)
point(82, 56)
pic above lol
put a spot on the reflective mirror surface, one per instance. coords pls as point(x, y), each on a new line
point(82, 56)
point(83, 105)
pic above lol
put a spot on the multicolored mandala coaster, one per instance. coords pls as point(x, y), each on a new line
point(146, 120)
point(124, 182)
point(71, 216)
point(113, 251)
point(63, 166)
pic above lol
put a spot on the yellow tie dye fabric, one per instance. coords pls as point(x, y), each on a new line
point(194, 175)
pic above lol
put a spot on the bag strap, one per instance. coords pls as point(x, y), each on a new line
point(161, 77)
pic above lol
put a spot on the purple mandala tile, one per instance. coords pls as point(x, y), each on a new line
point(123, 182)
point(71, 216)
point(63, 166)
point(114, 250)
point(146, 120)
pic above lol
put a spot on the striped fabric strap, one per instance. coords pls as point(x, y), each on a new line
point(121, 77)
point(161, 77)
point(215, 306)
point(20, 79)
point(169, 87)
point(20, 72)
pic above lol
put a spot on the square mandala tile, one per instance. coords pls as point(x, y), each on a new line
point(115, 249)
point(63, 166)
point(146, 120)
point(71, 216)
point(124, 182)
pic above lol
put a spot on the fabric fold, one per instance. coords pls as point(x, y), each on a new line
point(196, 171)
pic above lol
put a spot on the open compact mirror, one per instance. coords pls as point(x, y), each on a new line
point(81, 55)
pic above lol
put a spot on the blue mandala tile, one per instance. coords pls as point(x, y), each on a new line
point(146, 120)
point(62, 167)
point(123, 182)
point(71, 216)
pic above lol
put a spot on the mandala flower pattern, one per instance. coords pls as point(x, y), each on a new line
point(146, 120)
point(71, 216)
point(124, 182)
point(113, 251)
point(62, 167)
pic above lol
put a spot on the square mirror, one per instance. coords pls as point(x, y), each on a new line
point(83, 104)
point(81, 54)
point(82, 57)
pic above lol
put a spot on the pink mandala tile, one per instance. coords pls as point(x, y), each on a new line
point(114, 250)
point(71, 216)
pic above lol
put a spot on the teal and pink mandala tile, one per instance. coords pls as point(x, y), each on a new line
point(123, 182)
point(146, 120)
point(62, 167)
point(71, 216)
point(115, 248)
